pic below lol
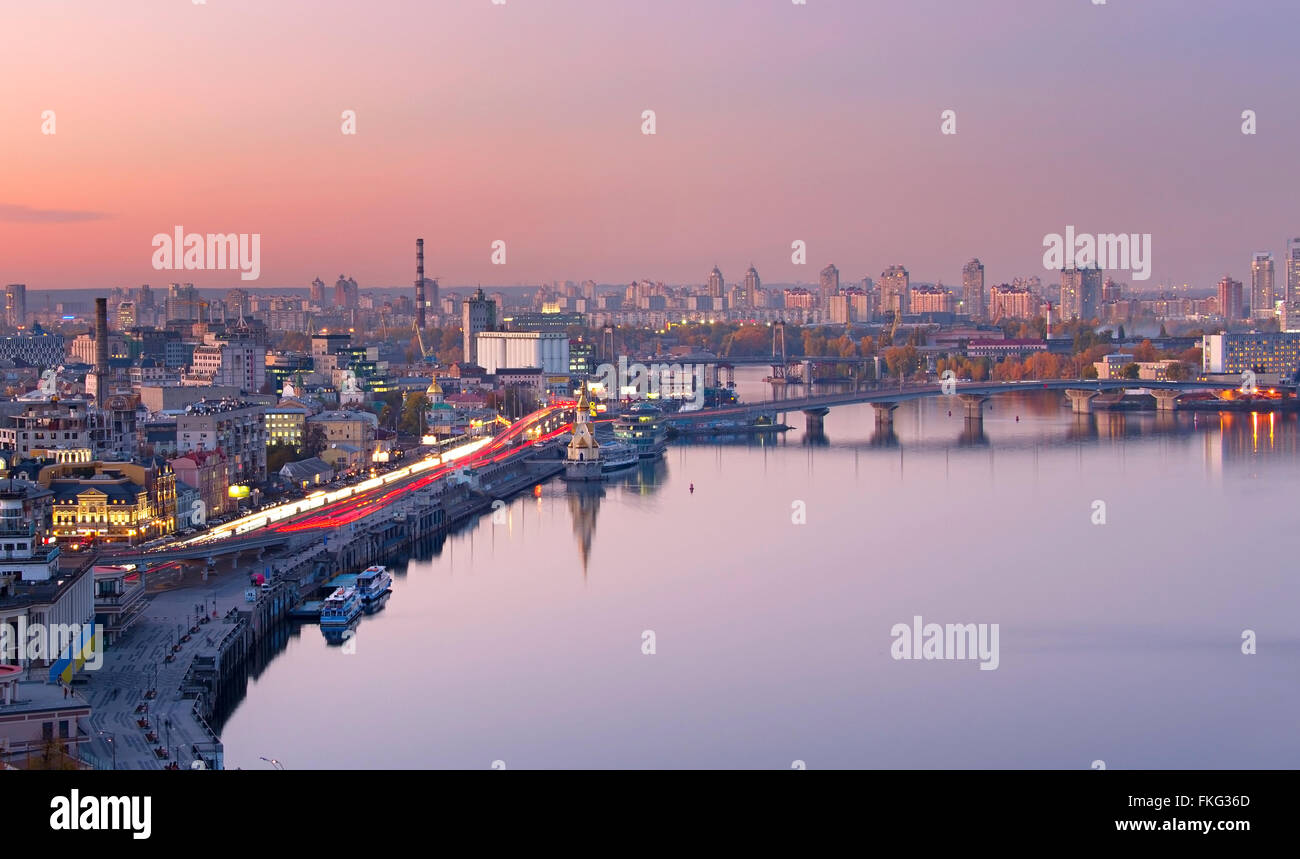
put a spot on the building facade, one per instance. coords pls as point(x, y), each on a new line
point(111, 502)
point(548, 350)
point(1272, 353)
point(234, 427)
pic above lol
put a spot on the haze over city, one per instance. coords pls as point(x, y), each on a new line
point(522, 122)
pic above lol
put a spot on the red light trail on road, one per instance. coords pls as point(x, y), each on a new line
point(500, 448)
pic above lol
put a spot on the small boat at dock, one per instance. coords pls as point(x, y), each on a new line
point(372, 584)
point(340, 608)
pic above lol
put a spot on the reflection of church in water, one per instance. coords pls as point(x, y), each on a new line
point(584, 499)
point(584, 504)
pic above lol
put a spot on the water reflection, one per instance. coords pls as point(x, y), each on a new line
point(584, 504)
point(497, 638)
point(972, 433)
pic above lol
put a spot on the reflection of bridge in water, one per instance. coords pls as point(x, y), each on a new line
point(1083, 428)
point(1241, 434)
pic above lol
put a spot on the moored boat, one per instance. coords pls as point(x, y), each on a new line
point(616, 455)
point(643, 429)
point(340, 608)
point(373, 583)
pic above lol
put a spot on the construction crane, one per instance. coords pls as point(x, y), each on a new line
point(898, 317)
point(425, 355)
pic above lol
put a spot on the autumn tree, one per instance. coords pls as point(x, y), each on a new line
point(1145, 352)
point(901, 360)
point(315, 440)
point(280, 454)
point(412, 419)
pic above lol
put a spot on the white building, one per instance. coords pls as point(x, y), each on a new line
point(548, 350)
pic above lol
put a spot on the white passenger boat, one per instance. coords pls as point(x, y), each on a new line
point(616, 455)
point(340, 608)
point(373, 583)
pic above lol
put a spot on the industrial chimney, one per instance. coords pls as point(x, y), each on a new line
point(419, 283)
point(101, 348)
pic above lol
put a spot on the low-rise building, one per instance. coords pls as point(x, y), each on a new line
point(111, 502)
point(119, 600)
point(41, 724)
point(347, 427)
point(1113, 366)
point(305, 473)
point(999, 349)
point(206, 473)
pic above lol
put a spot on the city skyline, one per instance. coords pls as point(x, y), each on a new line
point(514, 135)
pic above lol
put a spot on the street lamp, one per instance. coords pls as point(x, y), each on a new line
point(112, 745)
point(273, 762)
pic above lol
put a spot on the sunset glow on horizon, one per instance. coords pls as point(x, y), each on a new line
point(522, 122)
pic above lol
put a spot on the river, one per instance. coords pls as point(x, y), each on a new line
point(772, 592)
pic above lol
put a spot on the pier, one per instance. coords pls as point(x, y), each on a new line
point(164, 685)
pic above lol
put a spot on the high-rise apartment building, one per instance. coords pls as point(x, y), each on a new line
point(1012, 302)
point(715, 283)
point(1111, 291)
point(895, 291)
point(828, 283)
point(16, 305)
point(237, 303)
point(126, 316)
point(1261, 285)
point(972, 289)
point(184, 304)
point(1293, 270)
point(1080, 292)
point(477, 314)
point(1230, 300)
point(345, 293)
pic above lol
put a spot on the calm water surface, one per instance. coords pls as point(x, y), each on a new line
point(522, 642)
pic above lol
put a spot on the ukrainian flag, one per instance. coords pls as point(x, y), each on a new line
point(71, 660)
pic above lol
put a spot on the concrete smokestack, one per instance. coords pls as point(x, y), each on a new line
point(419, 283)
point(101, 347)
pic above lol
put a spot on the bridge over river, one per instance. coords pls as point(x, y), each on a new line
point(971, 395)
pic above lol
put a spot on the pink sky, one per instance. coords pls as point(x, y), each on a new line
point(522, 122)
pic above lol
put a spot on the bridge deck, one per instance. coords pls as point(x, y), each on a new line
point(914, 392)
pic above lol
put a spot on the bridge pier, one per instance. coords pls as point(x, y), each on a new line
point(1080, 400)
point(974, 405)
point(814, 418)
point(884, 413)
point(1166, 401)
